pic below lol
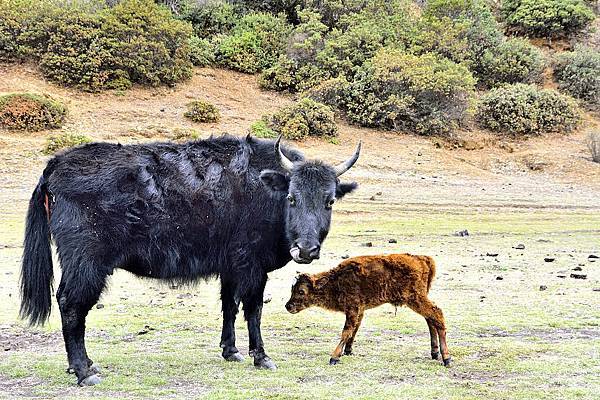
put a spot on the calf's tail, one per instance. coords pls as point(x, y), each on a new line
point(431, 263)
point(36, 268)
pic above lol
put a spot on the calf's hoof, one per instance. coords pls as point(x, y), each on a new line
point(235, 357)
point(334, 361)
point(448, 362)
point(265, 363)
point(90, 380)
point(435, 355)
point(348, 352)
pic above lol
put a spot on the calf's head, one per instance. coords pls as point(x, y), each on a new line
point(311, 188)
point(303, 294)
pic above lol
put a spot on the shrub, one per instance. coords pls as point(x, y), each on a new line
point(514, 61)
point(549, 18)
point(578, 73)
point(95, 48)
point(425, 94)
point(304, 118)
point(524, 109)
point(211, 18)
point(261, 129)
point(202, 111)
point(594, 146)
point(63, 141)
point(202, 51)
point(254, 44)
point(332, 92)
point(26, 111)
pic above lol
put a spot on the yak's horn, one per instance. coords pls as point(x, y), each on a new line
point(346, 165)
point(285, 162)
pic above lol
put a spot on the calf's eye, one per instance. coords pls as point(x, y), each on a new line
point(301, 292)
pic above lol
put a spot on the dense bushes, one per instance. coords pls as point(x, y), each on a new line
point(304, 118)
point(578, 73)
point(64, 141)
point(211, 18)
point(524, 109)
point(546, 17)
point(202, 111)
point(513, 61)
point(202, 51)
point(136, 41)
point(398, 91)
point(254, 44)
point(26, 111)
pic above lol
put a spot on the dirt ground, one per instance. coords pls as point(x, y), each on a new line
point(520, 326)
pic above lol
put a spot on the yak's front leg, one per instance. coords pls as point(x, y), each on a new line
point(230, 303)
point(352, 320)
point(253, 303)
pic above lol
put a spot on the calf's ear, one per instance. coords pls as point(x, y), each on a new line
point(276, 181)
point(343, 189)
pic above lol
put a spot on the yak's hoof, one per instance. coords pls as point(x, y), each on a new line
point(265, 363)
point(90, 380)
point(94, 369)
point(235, 357)
point(448, 362)
point(334, 361)
point(435, 355)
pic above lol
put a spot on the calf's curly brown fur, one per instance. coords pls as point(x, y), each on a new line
point(360, 283)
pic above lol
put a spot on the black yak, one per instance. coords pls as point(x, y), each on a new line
point(232, 208)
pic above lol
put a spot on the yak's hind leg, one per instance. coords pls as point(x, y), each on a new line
point(80, 288)
point(230, 302)
point(253, 303)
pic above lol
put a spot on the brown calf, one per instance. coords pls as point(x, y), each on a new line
point(361, 283)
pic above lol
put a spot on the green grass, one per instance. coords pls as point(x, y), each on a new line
point(508, 338)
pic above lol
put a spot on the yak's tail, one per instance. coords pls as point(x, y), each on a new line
point(36, 270)
point(431, 263)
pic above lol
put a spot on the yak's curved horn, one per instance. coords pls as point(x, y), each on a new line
point(285, 162)
point(346, 165)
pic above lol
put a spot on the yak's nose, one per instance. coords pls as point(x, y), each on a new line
point(310, 253)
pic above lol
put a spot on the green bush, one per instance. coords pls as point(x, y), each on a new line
point(425, 94)
point(261, 129)
point(63, 141)
point(94, 48)
point(332, 92)
point(578, 73)
point(32, 112)
point(546, 18)
point(211, 18)
point(254, 44)
point(525, 109)
point(304, 118)
point(514, 61)
point(202, 111)
point(202, 51)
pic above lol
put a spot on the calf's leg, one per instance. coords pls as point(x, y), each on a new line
point(230, 303)
point(352, 321)
point(350, 342)
point(433, 335)
point(433, 313)
point(253, 303)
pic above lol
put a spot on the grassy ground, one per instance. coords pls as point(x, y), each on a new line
point(509, 338)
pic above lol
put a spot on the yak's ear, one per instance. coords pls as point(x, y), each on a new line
point(274, 180)
point(343, 189)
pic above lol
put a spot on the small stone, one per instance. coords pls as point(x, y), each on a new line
point(368, 244)
point(491, 254)
point(345, 256)
point(267, 298)
point(99, 306)
point(462, 233)
point(578, 276)
point(520, 246)
point(561, 276)
point(499, 278)
point(392, 241)
point(593, 256)
point(378, 194)
point(543, 287)
point(549, 259)
point(577, 269)
point(372, 198)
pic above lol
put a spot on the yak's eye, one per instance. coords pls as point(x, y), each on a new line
point(301, 292)
point(291, 199)
point(330, 203)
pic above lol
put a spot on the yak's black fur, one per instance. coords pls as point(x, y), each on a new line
point(178, 212)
